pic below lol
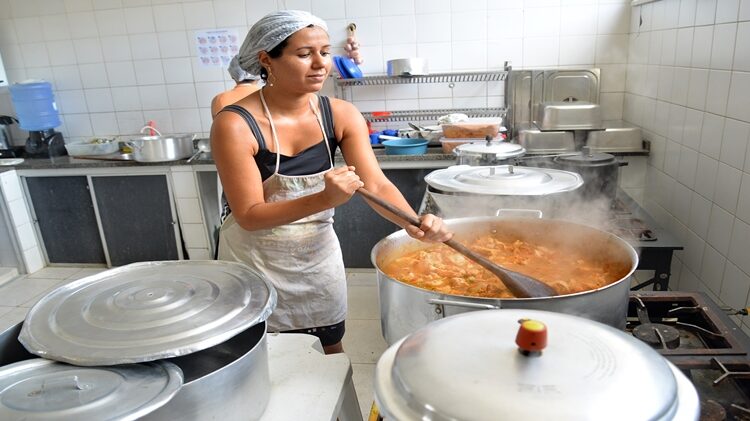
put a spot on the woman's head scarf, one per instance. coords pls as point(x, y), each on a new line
point(269, 32)
point(237, 73)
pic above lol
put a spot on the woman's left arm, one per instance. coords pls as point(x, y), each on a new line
point(354, 141)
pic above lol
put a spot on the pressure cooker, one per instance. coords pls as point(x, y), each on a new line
point(528, 365)
point(600, 172)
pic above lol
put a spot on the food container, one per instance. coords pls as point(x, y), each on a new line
point(404, 308)
point(478, 128)
point(449, 145)
point(98, 146)
point(407, 67)
point(475, 367)
point(487, 153)
point(541, 142)
point(463, 190)
point(617, 136)
point(573, 115)
point(207, 317)
point(600, 173)
point(405, 146)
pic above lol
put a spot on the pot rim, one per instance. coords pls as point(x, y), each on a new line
point(474, 219)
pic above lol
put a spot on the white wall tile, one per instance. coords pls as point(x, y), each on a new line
point(668, 47)
point(182, 95)
point(740, 245)
point(684, 47)
point(734, 287)
point(200, 15)
point(230, 13)
point(66, 77)
point(680, 85)
point(110, 22)
point(712, 271)
point(687, 13)
point(578, 20)
point(705, 12)
point(187, 119)
point(121, 73)
point(432, 27)
point(718, 91)
point(676, 123)
point(722, 52)
point(681, 203)
point(542, 22)
point(126, 98)
point(144, 46)
point(697, 89)
point(199, 254)
point(541, 51)
point(189, 211)
point(691, 136)
point(139, 20)
point(116, 48)
point(357, 9)
point(727, 189)
point(183, 185)
point(711, 135)
point(19, 214)
point(611, 49)
point(465, 26)
point(702, 41)
point(99, 100)
point(727, 10)
point(687, 171)
point(672, 158)
point(153, 97)
point(734, 143)
point(613, 18)
point(744, 10)
point(700, 214)
point(33, 260)
point(407, 32)
point(149, 72)
point(94, 75)
point(738, 105)
point(26, 236)
point(69, 102)
point(173, 44)
point(169, 17)
point(705, 179)
point(720, 229)
point(577, 50)
point(743, 205)
point(104, 124)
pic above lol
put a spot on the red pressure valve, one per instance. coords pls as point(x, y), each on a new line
point(531, 337)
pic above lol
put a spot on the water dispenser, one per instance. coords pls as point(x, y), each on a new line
point(37, 112)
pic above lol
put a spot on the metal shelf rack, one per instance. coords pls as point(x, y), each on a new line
point(344, 86)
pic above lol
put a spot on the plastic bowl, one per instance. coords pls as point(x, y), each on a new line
point(107, 146)
point(405, 146)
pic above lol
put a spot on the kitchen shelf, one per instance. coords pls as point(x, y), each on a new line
point(344, 87)
point(489, 76)
point(430, 115)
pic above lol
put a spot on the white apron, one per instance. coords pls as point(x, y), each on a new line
point(302, 259)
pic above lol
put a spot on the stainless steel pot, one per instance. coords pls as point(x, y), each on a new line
point(407, 67)
point(462, 190)
point(161, 148)
point(600, 172)
point(405, 308)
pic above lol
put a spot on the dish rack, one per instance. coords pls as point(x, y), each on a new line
point(344, 91)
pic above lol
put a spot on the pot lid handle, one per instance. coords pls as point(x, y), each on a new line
point(531, 337)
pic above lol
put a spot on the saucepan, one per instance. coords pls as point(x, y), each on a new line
point(161, 148)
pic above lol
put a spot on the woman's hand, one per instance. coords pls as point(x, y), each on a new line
point(432, 230)
point(341, 183)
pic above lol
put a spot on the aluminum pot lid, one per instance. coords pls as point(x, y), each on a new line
point(147, 311)
point(586, 159)
point(500, 150)
point(41, 389)
point(468, 367)
point(503, 180)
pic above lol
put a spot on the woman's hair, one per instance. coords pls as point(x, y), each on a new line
point(276, 51)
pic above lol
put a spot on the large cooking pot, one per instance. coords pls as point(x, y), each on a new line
point(469, 368)
point(463, 190)
point(161, 148)
point(206, 317)
point(405, 308)
point(600, 173)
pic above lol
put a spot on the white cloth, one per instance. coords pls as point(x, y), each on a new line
point(238, 73)
point(302, 259)
point(269, 31)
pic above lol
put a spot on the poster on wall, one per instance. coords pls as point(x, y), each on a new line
point(216, 47)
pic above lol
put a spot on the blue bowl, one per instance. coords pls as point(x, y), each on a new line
point(405, 146)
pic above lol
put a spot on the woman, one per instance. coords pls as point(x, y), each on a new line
point(280, 181)
point(246, 84)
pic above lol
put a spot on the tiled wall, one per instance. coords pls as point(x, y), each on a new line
point(115, 64)
point(688, 86)
point(22, 225)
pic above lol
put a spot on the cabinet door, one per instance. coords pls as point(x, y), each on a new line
point(136, 217)
point(66, 219)
point(359, 227)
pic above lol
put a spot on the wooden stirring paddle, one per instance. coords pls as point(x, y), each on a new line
point(519, 284)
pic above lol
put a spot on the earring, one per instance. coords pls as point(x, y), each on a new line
point(271, 77)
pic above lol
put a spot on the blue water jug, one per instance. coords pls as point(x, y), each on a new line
point(35, 105)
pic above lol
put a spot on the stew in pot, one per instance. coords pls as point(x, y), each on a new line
point(439, 268)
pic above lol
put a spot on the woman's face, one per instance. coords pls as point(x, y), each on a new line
point(304, 62)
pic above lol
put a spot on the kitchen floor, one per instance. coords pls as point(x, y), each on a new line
point(363, 342)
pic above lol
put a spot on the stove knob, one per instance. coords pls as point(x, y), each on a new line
point(531, 337)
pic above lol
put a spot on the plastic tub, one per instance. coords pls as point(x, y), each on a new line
point(96, 147)
point(450, 144)
point(475, 128)
point(405, 146)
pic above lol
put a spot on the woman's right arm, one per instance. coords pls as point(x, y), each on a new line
point(233, 147)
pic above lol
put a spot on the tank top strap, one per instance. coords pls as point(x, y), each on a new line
point(250, 122)
point(327, 117)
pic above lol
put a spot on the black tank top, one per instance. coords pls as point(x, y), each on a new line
point(310, 161)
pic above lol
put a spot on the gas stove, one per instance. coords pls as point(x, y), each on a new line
point(694, 333)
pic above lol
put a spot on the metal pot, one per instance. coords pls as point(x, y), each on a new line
point(462, 190)
point(161, 148)
point(469, 367)
point(600, 172)
point(407, 67)
point(487, 153)
point(207, 317)
point(405, 308)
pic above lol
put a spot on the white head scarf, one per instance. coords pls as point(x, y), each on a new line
point(237, 73)
point(270, 31)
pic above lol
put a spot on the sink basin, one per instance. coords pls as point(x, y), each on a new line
point(7, 162)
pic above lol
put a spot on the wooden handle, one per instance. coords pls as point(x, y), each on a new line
point(389, 207)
